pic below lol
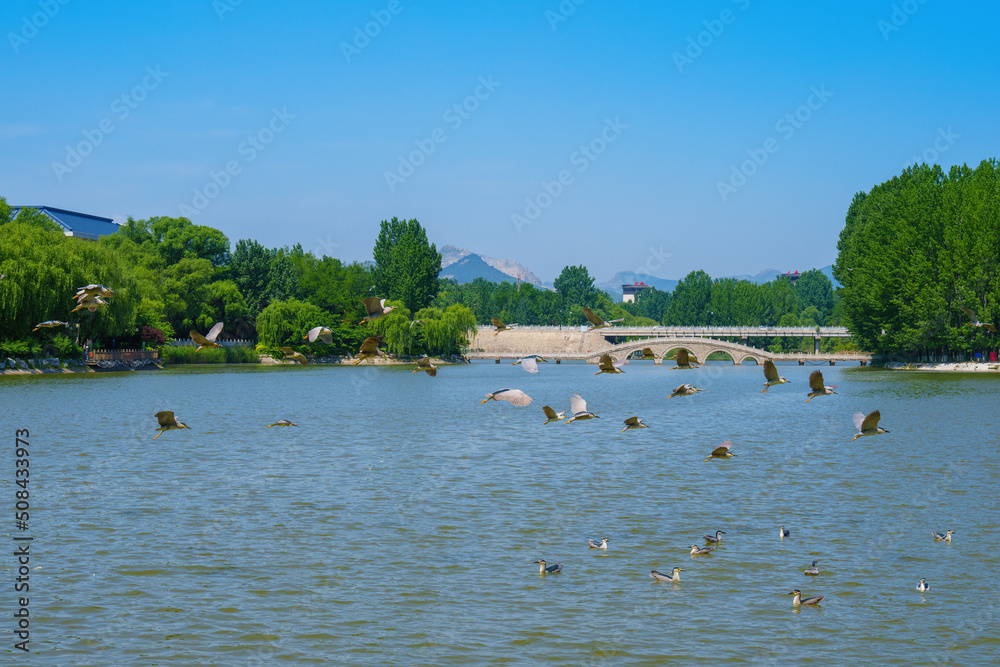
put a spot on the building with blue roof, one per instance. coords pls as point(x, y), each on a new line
point(81, 225)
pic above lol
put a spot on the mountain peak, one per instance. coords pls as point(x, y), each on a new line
point(453, 254)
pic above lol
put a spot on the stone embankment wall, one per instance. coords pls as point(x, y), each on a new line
point(518, 342)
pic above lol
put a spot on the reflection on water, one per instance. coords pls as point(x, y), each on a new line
point(399, 523)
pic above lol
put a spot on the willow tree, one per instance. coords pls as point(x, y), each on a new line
point(445, 331)
point(394, 328)
point(43, 271)
point(286, 323)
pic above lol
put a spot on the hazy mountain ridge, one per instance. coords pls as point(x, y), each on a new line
point(472, 266)
point(464, 266)
point(512, 270)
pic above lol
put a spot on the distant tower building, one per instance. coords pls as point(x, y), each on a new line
point(791, 276)
point(629, 291)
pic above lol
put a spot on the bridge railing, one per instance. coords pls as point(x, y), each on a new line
point(736, 332)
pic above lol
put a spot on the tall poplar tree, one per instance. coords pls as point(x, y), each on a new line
point(406, 264)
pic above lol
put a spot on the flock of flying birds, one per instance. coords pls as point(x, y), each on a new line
point(865, 424)
point(92, 297)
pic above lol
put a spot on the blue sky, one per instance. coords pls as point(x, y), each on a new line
point(728, 136)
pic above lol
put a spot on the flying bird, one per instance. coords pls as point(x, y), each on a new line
point(501, 326)
point(167, 422)
point(684, 359)
point(771, 375)
point(88, 302)
point(94, 290)
point(551, 415)
point(513, 396)
point(867, 425)
point(369, 349)
point(721, 452)
point(817, 386)
point(684, 390)
point(609, 365)
point(530, 363)
point(323, 333)
point(798, 599)
point(424, 364)
point(578, 407)
point(634, 422)
point(596, 321)
point(376, 308)
point(208, 340)
point(294, 356)
point(49, 324)
point(281, 422)
point(974, 321)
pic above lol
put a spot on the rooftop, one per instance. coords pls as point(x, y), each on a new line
point(82, 225)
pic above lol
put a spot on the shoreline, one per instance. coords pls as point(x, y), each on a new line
point(945, 367)
point(264, 361)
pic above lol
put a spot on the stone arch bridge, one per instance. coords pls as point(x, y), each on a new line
point(701, 347)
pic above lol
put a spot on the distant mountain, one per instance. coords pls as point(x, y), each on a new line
point(472, 266)
point(759, 278)
point(614, 286)
point(512, 270)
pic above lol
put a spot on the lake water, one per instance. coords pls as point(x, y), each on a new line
point(399, 523)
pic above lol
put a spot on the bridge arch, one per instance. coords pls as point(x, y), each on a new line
point(701, 347)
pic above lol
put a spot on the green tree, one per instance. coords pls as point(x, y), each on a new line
point(406, 264)
point(913, 251)
point(250, 267)
point(285, 323)
point(689, 305)
point(813, 288)
point(576, 286)
point(177, 238)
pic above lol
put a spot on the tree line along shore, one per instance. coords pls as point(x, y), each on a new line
point(916, 253)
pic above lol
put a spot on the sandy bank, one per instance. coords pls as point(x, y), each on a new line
point(962, 367)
